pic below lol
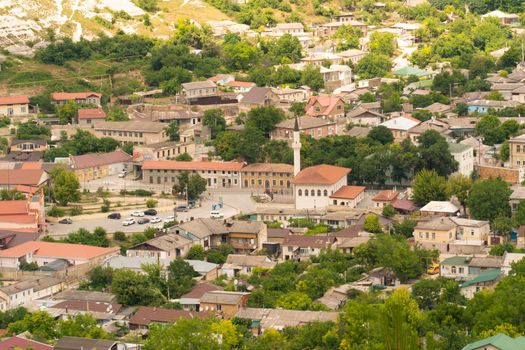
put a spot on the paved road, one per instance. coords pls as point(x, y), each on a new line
point(234, 203)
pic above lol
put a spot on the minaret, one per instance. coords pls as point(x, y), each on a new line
point(296, 146)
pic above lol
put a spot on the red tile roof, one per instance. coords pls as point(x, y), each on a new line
point(14, 100)
point(146, 315)
point(22, 343)
point(29, 177)
point(98, 159)
point(385, 196)
point(403, 204)
point(240, 84)
point(91, 306)
point(64, 96)
point(348, 192)
point(57, 250)
point(91, 113)
point(320, 175)
point(32, 165)
point(309, 241)
point(200, 289)
point(14, 207)
point(174, 165)
point(327, 102)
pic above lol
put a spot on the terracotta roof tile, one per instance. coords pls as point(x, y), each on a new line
point(91, 306)
point(305, 122)
point(327, 102)
point(14, 207)
point(29, 177)
point(240, 84)
point(309, 241)
point(269, 167)
point(320, 174)
point(174, 165)
point(13, 100)
point(91, 113)
point(58, 250)
point(146, 315)
point(22, 343)
point(98, 159)
point(64, 96)
point(348, 192)
point(200, 289)
point(385, 196)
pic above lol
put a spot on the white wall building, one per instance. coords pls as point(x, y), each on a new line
point(464, 155)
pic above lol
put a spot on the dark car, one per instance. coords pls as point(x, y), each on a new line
point(114, 216)
point(66, 221)
point(181, 208)
point(143, 221)
point(150, 212)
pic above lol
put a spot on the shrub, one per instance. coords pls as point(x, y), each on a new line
point(56, 212)
point(75, 211)
point(151, 203)
point(32, 266)
point(139, 193)
point(119, 236)
point(106, 206)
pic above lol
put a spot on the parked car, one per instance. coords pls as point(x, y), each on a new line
point(155, 219)
point(66, 221)
point(194, 203)
point(181, 208)
point(143, 221)
point(129, 221)
point(137, 213)
point(114, 216)
point(215, 214)
point(122, 174)
point(433, 269)
point(150, 212)
point(170, 218)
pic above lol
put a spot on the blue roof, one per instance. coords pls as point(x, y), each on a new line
point(408, 71)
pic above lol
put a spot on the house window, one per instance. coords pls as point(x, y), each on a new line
point(300, 192)
point(312, 193)
point(453, 269)
point(325, 193)
point(306, 193)
point(461, 270)
point(433, 235)
point(518, 148)
point(319, 193)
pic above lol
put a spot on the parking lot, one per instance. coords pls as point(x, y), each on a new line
point(234, 202)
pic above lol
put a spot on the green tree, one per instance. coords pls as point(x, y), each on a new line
point(196, 252)
point(180, 277)
point(388, 211)
point(132, 288)
point(183, 157)
point(435, 153)
point(373, 65)
point(67, 112)
point(428, 293)
point(382, 43)
point(196, 186)
point(81, 325)
point(347, 37)
point(32, 131)
point(40, 324)
point(116, 114)
point(64, 185)
point(172, 130)
point(404, 228)
point(372, 224)
point(294, 301)
point(381, 134)
point(489, 199)
point(264, 118)
point(214, 119)
point(311, 76)
point(297, 108)
point(519, 214)
point(99, 279)
point(502, 226)
point(428, 186)
point(458, 185)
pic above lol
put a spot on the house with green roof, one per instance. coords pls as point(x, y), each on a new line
point(498, 342)
point(484, 280)
point(455, 267)
point(410, 71)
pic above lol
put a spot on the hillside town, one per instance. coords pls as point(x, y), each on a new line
point(351, 179)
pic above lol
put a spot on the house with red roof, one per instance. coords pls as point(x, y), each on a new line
point(87, 97)
point(328, 107)
point(240, 86)
point(13, 106)
point(92, 166)
point(43, 253)
point(88, 116)
point(216, 174)
point(348, 196)
point(23, 343)
point(314, 186)
point(21, 215)
point(384, 197)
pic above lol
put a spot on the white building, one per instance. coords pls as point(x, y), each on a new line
point(289, 28)
point(314, 185)
point(464, 155)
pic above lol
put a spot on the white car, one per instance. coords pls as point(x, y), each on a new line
point(122, 174)
point(137, 214)
point(215, 214)
point(155, 220)
point(170, 218)
point(128, 222)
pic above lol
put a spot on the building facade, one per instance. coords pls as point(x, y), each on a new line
point(136, 132)
point(268, 177)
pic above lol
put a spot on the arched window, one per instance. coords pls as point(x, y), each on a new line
point(318, 193)
point(306, 193)
point(325, 193)
point(312, 192)
point(300, 192)
point(288, 184)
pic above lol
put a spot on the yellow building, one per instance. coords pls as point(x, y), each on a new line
point(272, 177)
point(436, 234)
point(92, 166)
